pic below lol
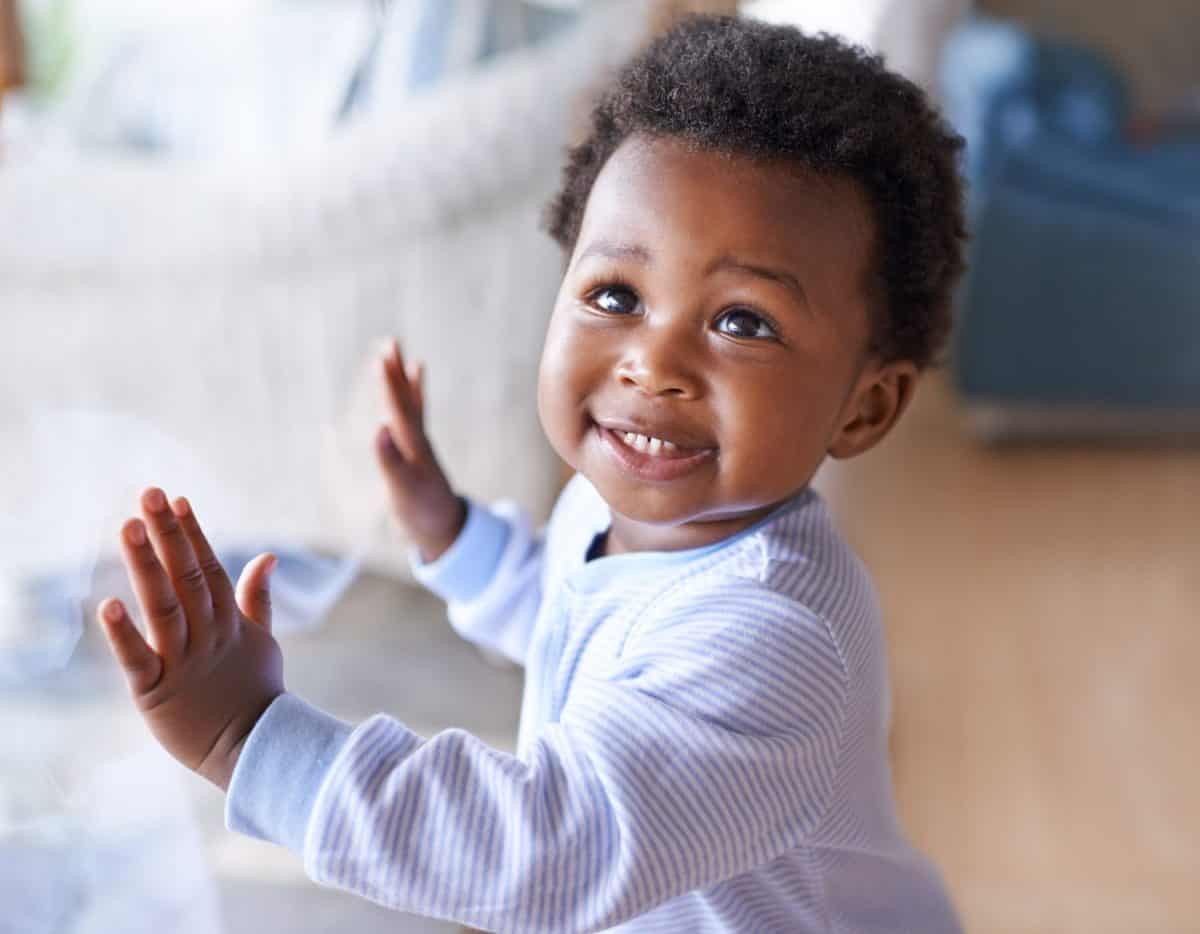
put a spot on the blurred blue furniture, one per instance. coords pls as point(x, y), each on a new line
point(1080, 313)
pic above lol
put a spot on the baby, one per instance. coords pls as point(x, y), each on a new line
point(703, 736)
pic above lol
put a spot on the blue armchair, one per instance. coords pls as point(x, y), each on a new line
point(1080, 313)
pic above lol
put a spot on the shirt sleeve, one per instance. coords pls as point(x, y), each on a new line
point(710, 749)
point(490, 577)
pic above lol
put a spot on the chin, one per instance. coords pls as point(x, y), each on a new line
point(665, 505)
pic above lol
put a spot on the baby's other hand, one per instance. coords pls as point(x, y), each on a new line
point(421, 496)
point(211, 667)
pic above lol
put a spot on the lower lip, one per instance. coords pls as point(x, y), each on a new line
point(648, 467)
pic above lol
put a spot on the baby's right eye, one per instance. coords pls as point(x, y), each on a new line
point(614, 299)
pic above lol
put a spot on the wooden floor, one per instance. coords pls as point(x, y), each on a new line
point(1042, 607)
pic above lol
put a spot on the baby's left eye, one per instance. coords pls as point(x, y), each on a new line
point(744, 315)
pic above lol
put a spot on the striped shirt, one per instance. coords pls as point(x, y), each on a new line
point(702, 745)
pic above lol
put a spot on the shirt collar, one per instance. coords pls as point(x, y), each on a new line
point(588, 576)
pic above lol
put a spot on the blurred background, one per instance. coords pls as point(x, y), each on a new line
point(211, 216)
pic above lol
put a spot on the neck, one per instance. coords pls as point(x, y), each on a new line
point(626, 535)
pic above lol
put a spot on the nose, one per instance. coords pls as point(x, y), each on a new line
point(659, 362)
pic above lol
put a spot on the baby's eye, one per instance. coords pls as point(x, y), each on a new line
point(614, 299)
point(744, 315)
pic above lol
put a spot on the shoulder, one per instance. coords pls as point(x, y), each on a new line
point(804, 557)
point(743, 655)
point(721, 608)
point(797, 565)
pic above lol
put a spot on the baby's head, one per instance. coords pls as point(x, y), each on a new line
point(763, 233)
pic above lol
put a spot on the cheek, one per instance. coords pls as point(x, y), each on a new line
point(559, 378)
point(573, 355)
point(549, 390)
point(774, 422)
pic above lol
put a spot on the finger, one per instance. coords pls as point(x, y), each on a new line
point(414, 376)
point(404, 375)
point(175, 553)
point(418, 384)
point(254, 590)
point(165, 622)
point(401, 423)
point(396, 354)
point(220, 588)
point(142, 667)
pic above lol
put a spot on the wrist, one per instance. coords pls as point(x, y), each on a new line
point(434, 547)
point(231, 762)
point(218, 766)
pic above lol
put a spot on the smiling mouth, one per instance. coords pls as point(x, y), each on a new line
point(650, 458)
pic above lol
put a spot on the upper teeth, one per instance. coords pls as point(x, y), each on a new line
point(647, 444)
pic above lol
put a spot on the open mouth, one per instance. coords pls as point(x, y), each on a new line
point(652, 458)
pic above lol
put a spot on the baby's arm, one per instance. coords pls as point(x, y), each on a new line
point(491, 578)
point(484, 561)
point(697, 759)
point(685, 767)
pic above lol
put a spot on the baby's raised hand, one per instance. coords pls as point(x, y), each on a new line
point(212, 666)
point(421, 496)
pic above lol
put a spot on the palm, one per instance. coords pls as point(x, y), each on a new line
point(211, 666)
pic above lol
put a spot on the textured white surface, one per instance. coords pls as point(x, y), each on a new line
point(232, 315)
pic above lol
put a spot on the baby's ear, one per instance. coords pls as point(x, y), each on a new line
point(880, 396)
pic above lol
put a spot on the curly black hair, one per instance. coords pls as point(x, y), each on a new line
point(747, 87)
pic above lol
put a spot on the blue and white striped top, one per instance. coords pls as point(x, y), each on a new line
point(702, 745)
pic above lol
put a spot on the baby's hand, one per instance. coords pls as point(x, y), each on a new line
point(212, 666)
point(422, 499)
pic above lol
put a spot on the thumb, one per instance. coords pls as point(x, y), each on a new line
point(390, 454)
point(398, 473)
point(253, 590)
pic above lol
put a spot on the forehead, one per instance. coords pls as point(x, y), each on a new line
point(671, 197)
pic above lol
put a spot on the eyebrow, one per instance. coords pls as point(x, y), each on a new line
point(639, 254)
point(616, 251)
point(786, 279)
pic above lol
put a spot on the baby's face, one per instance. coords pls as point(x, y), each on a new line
point(718, 303)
